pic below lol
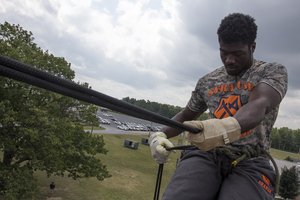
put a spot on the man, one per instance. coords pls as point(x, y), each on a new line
point(242, 98)
point(52, 186)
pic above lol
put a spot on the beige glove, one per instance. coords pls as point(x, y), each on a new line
point(214, 132)
point(158, 143)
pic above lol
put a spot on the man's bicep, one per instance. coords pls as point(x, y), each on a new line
point(265, 95)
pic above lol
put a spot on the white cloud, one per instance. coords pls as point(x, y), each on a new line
point(157, 53)
point(289, 111)
point(28, 8)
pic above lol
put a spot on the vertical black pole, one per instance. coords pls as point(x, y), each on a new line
point(158, 181)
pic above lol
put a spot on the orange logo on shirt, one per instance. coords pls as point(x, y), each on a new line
point(265, 187)
point(228, 106)
point(265, 184)
point(266, 180)
point(229, 88)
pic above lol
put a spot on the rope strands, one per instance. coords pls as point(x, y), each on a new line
point(238, 154)
point(158, 181)
point(28, 74)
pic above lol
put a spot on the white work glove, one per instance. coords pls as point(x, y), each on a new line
point(214, 132)
point(158, 143)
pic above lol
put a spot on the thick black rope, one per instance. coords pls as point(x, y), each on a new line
point(161, 166)
point(158, 181)
point(25, 73)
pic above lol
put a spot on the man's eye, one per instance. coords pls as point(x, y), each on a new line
point(238, 54)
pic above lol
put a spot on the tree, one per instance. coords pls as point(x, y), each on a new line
point(203, 116)
point(297, 140)
point(274, 138)
point(87, 113)
point(289, 159)
point(161, 109)
point(42, 130)
point(285, 135)
point(164, 110)
point(289, 183)
point(140, 103)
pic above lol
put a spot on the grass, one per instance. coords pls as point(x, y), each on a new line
point(283, 154)
point(133, 174)
point(94, 128)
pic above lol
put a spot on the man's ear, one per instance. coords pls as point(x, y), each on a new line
point(253, 46)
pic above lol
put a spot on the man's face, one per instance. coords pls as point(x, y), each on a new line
point(236, 57)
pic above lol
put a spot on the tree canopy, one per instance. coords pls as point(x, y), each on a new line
point(39, 129)
point(162, 109)
point(289, 183)
point(285, 139)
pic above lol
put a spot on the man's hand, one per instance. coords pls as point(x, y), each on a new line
point(214, 132)
point(158, 143)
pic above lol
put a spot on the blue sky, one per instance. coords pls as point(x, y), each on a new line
point(157, 49)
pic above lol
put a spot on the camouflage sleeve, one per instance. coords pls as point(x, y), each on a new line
point(196, 102)
point(276, 76)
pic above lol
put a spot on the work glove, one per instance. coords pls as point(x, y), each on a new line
point(214, 132)
point(158, 143)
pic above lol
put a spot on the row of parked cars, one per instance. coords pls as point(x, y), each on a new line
point(107, 115)
point(128, 126)
point(103, 121)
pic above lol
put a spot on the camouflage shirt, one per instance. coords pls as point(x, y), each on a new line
point(223, 95)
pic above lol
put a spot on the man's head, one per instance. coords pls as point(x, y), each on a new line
point(236, 28)
point(237, 34)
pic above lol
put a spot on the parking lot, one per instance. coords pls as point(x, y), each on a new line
point(116, 120)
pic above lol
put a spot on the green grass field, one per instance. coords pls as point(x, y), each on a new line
point(94, 128)
point(133, 174)
point(283, 154)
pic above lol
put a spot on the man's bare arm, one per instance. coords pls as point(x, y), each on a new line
point(184, 115)
point(261, 101)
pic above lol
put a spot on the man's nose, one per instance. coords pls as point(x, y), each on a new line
point(230, 60)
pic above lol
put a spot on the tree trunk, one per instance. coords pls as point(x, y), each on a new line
point(8, 157)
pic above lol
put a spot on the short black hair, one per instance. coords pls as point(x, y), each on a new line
point(237, 27)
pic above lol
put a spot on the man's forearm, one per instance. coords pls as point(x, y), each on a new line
point(182, 116)
point(171, 132)
point(249, 116)
point(262, 100)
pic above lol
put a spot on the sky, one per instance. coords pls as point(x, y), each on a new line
point(157, 50)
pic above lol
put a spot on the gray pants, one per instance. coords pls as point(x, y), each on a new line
point(198, 177)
